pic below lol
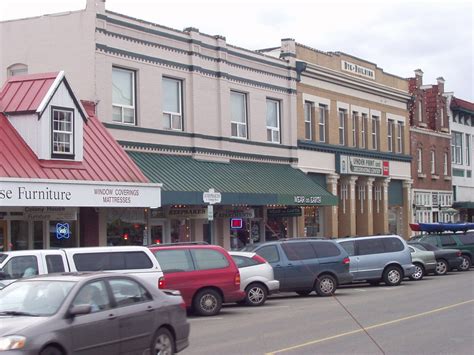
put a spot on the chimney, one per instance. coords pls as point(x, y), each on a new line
point(440, 81)
point(288, 47)
point(97, 6)
point(419, 77)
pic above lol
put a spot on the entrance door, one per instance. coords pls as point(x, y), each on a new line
point(157, 233)
point(3, 236)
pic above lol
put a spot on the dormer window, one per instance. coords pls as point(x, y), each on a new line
point(17, 69)
point(62, 133)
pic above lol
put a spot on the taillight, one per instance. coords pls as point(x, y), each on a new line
point(458, 253)
point(259, 259)
point(237, 279)
point(183, 305)
point(346, 261)
point(161, 283)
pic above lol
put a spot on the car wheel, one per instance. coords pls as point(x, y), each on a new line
point(163, 343)
point(419, 272)
point(441, 267)
point(466, 263)
point(392, 276)
point(255, 294)
point(304, 293)
point(207, 302)
point(51, 350)
point(326, 285)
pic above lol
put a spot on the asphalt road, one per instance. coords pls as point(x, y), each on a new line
point(432, 316)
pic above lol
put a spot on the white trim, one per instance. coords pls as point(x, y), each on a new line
point(342, 106)
point(317, 100)
point(376, 113)
point(360, 110)
point(398, 118)
point(50, 92)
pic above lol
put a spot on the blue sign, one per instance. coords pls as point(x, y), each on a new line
point(63, 231)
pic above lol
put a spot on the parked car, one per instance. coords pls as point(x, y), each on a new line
point(446, 259)
point(424, 261)
point(461, 241)
point(304, 265)
point(134, 260)
point(256, 277)
point(206, 275)
point(379, 258)
point(93, 313)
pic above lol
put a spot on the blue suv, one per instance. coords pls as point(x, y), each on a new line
point(305, 265)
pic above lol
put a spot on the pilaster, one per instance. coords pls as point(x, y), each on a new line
point(364, 212)
point(347, 206)
point(331, 212)
point(380, 206)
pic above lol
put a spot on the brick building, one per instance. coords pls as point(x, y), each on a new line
point(430, 142)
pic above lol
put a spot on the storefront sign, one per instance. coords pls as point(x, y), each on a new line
point(50, 213)
point(30, 192)
point(284, 212)
point(188, 213)
point(236, 213)
point(211, 197)
point(358, 69)
point(363, 166)
point(62, 231)
point(307, 200)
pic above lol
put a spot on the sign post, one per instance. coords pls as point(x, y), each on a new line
point(211, 197)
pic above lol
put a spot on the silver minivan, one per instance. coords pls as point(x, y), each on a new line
point(378, 258)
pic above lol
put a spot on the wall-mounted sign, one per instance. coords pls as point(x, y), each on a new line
point(307, 200)
point(284, 212)
point(188, 213)
point(53, 193)
point(363, 166)
point(357, 69)
point(236, 213)
point(63, 231)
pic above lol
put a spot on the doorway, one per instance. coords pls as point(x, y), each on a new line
point(157, 233)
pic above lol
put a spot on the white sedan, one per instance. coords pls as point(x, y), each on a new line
point(256, 277)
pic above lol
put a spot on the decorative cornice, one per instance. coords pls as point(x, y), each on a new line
point(429, 132)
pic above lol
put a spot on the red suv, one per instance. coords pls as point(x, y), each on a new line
point(206, 275)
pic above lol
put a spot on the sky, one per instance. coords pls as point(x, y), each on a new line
point(399, 36)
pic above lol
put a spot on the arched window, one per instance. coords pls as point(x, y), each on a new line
point(17, 69)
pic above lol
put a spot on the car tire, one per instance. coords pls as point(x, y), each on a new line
point(419, 272)
point(392, 276)
point(255, 294)
point(466, 263)
point(163, 343)
point(51, 350)
point(207, 302)
point(304, 293)
point(442, 267)
point(326, 285)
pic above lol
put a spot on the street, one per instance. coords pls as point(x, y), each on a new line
point(432, 316)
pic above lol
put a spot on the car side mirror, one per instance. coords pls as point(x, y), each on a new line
point(80, 309)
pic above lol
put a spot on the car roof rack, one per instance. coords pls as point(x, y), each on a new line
point(302, 238)
point(178, 243)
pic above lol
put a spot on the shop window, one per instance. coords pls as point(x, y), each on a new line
point(207, 259)
point(180, 230)
point(269, 253)
point(312, 221)
point(125, 226)
point(299, 251)
point(38, 235)
point(62, 234)
point(174, 260)
point(19, 235)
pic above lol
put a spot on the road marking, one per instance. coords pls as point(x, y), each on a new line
point(370, 327)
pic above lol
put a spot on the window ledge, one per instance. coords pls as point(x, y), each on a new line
point(421, 175)
point(448, 178)
point(434, 177)
point(445, 130)
point(422, 124)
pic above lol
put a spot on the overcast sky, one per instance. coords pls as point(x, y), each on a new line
point(399, 36)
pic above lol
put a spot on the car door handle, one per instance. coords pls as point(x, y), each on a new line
point(150, 308)
point(289, 265)
point(111, 316)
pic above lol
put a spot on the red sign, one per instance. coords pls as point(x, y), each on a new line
point(236, 223)
point(386, 171)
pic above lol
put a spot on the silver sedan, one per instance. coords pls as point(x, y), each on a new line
point(256, 277)
point(90, 313)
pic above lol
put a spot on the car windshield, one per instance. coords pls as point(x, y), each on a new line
point(34, 298)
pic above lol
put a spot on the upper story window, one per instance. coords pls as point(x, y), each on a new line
point(355, 120)
point(363, 131)
point(375, 132)
point(273, 121)
point(468, 149)
point(456, 147)
point(123, 95)
point(62, 120)
point(441, 114)
point(419, 160)
point(238, 108)
point(323, 113)
point(390, 125)
point(400, 137)
point(420, 111)
point(433, 162)
point(445, 164)
point(17, 69)
point(342, 127)
point(172, 104)
point(308, 120)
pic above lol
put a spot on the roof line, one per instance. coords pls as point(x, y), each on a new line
point(50, 93)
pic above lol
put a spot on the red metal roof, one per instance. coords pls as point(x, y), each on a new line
point(24, 93)
point(462, 104)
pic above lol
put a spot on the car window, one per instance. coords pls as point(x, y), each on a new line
point(20, 266)
point(325, 249)
point(112, 261)
point(128, 292)
point(370, 246)
point(207, 259)
point(467, 238)
point(243, 261)
point(94, 294)
point(3, 257)
point(54, 263)
point(269, 253)
point(447, 240)
point(420, 246)
point(392, 244)
point(429, 247)
point(349, 246)
point(299, 251)
point(431, 240)
point(174, 260)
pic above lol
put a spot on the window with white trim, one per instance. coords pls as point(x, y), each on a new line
point(308, 120)
point(342, 126)
point(468, 149)
point(363, 131)
point(273, 121)
point(420, 160)
point(62, 132)
point(445, 164)
point(441, 113)
point(123, 95)
point(420, 111)
point(17, 69)
point(238, 114)
point(355, 119)
point(433, 162)
point(375, 132)
point(456, 147)
point(323, 109)
point(399, 137)
point(172, 104)
point(390, 125)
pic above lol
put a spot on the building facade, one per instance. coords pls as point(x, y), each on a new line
point(353, 135)
point(431, 149)
point(461, 119)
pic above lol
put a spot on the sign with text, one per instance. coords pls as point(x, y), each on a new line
point(236, 213)
point(284, 212)
point(188, 212)
point(211, 197)
point(78, 194)
point(357, 69)
point(364, 166)
point(210, 213)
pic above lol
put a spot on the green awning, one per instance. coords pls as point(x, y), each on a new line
point(185, 179)
point(463, 204)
